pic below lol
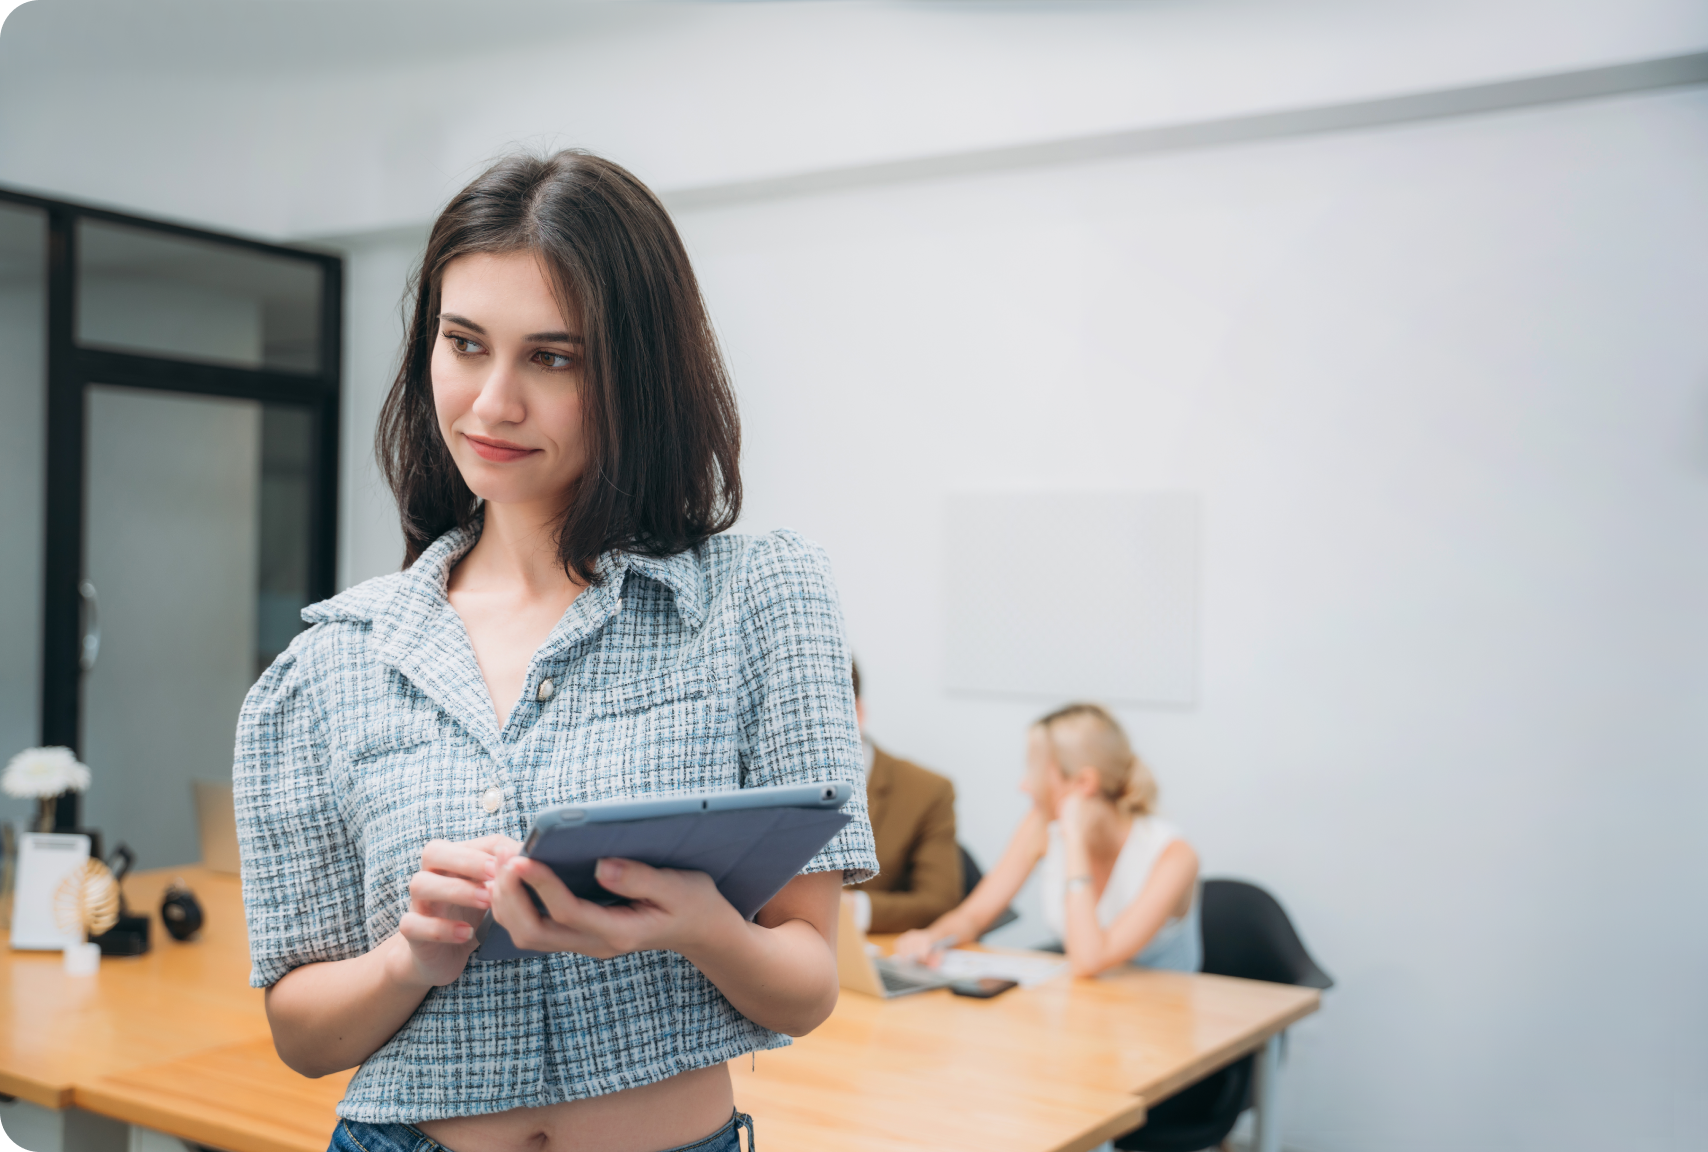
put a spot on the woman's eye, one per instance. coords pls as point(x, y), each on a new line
point(554, 360)
point(464, 345)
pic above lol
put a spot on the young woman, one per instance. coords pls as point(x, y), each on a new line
point(562, 443)
point(1119, 884)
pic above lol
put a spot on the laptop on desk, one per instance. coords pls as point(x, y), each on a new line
point(859, 971)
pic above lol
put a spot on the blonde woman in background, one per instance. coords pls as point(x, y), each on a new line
point(1120, 883)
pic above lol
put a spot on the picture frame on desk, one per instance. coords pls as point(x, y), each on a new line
point(45, 859)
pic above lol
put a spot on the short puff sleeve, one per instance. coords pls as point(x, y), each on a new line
point(799, 723)
point(302, 878)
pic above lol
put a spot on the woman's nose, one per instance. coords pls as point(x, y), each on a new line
point(500, 399)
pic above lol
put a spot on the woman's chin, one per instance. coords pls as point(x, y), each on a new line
point(506, 488)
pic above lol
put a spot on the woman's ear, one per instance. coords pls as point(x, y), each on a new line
point(1085, 782)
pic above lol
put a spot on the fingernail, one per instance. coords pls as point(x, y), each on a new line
point(610, 870)
point(463, 931)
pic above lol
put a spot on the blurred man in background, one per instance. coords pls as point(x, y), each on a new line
point(913, 821)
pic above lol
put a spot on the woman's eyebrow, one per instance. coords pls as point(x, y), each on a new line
point(531, 338)
point(453, 318)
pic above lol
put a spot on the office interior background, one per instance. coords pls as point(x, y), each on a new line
point(1386, 318)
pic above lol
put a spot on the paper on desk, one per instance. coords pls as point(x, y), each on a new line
point(963, 964)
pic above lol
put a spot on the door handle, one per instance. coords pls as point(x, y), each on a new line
point(91, 643)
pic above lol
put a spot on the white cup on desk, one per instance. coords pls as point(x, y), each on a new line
point(82, 959)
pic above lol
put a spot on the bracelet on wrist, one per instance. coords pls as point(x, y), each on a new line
point(1074, 883)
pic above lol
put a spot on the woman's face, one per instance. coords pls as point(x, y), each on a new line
point(507, 373)
point(1043, 781)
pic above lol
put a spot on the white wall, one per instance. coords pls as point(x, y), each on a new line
point(1442, 389)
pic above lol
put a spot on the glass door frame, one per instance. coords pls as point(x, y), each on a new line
point(71, 369)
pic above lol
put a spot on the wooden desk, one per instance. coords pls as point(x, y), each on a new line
point(1063, 1066)
point(57, 1030)
point(177, 1041)
point(174, 1039)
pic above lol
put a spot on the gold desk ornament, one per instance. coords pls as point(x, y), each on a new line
point(87, 900)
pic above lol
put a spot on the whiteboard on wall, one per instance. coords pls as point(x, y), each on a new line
point(1073, 595)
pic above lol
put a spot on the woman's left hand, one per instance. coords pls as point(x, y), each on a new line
point(669, 909)
point(1074, 814)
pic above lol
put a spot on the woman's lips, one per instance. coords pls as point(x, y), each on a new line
point(499, 451)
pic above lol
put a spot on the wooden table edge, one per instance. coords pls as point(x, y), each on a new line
point(1236, 1051)
point(1117, 1125)
point(128, 1106)
point(47, 1096)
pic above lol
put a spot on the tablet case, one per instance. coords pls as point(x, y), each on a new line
point(750, 854)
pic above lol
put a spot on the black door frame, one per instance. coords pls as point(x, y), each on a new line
point(71, 369)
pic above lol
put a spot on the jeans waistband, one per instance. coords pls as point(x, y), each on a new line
point(358, 1136)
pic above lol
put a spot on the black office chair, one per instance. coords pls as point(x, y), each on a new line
point(1246, 933)
point(971, 874)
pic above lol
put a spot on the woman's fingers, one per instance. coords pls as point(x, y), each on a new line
point(459, 858)
point(570, 924)
point(427, 890)
point(561, 904)
point(420, 929)
point(633, 880)
point(653, 920)
point(512, 907)
point(914, 945)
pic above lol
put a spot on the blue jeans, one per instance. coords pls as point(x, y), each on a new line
point(355, 1136)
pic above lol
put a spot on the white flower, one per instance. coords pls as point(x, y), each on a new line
point(42, 772)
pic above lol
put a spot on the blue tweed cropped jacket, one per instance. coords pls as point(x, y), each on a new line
point(721, 667)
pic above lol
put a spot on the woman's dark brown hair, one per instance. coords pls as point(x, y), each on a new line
point(661, 432)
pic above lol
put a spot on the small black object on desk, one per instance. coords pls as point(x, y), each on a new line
point(981, 987)
point(129, 934)
point(180, 911)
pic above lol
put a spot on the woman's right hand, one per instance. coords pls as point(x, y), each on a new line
point(920, 946)
point(448, 897)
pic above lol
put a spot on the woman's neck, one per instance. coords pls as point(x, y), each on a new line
point(517, 546)
point(1106, 832)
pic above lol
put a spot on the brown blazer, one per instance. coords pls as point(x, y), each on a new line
point(913, 822)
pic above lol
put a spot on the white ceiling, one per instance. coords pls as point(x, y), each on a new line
point(300, 118)
point(248, 38)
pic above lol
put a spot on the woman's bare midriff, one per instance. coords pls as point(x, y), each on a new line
point(681, 1110)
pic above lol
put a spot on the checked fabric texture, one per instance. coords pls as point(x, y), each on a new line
point(721, 667)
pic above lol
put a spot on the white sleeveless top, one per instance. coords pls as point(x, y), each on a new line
point(1177, 945)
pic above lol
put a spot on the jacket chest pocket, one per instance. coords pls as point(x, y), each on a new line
point(662, 733)
point(415, 775)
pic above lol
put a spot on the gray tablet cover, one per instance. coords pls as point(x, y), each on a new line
point(750, 854)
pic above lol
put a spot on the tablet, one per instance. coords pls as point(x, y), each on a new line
point(750, 841)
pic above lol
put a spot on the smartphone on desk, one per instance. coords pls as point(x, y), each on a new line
point(982, 987)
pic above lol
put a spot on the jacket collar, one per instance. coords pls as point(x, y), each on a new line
point(681, 573)
point(418, 633)
point(416, 595)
